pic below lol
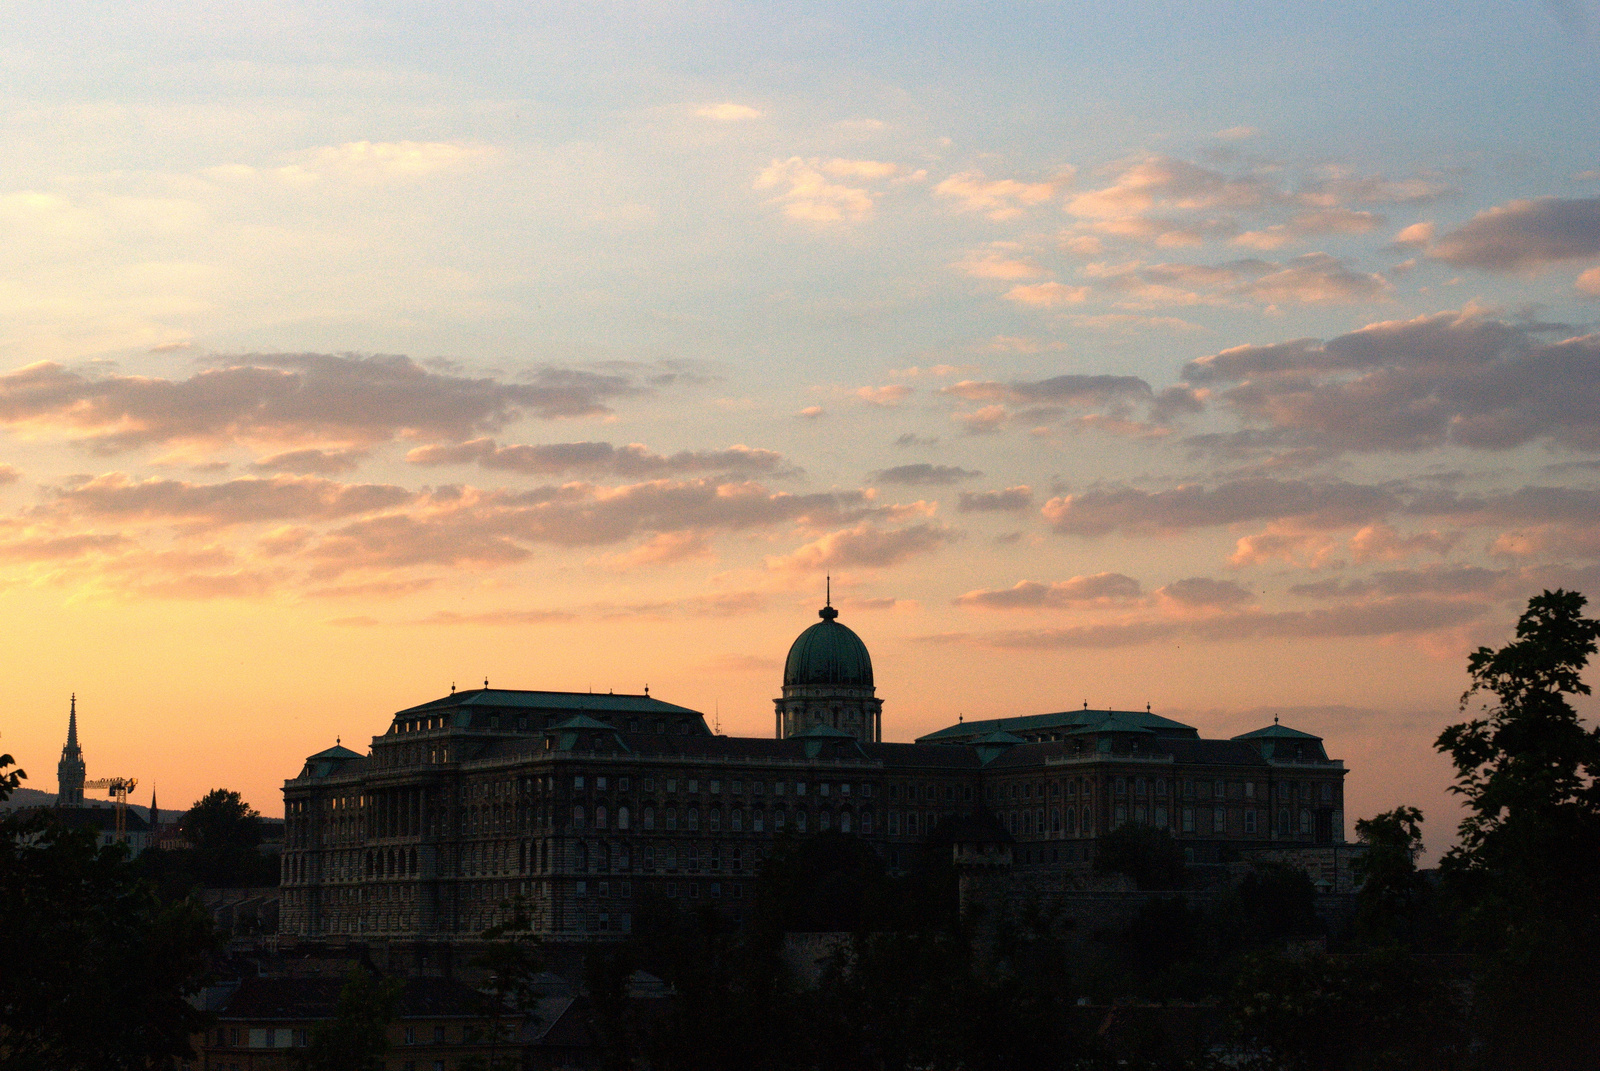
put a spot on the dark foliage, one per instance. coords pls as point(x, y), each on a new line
point(357, 1038)
point(94, 967)
point(1526, 870)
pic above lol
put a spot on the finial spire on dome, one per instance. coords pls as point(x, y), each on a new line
point(828, 613)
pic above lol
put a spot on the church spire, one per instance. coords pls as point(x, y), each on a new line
point(70, 770)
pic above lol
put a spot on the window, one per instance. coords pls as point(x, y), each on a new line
point(672, 818)
point(844, 789)
point(1121, 813)
point(649, 784)
point(1161, 816)
point(1219, 821)
point(600, 784)
point(824, 821)
point(1249, 820)
point(577, 782)
point(577, 817)
point(758, 787)
point(1140, 785)
point(650, 818)
point(1188, 820)
point(622, 817)
point(799, 788)
point(1327, 792)
point(1283, 821)
point(672, 784)
point(778, 818)
point(694, 818)
point(777, 788)
point(1055, 820)
point(1218, 790)
point(738, 788)
point(1072, 789)
point(649, 858)
point(866, 822)
point(622, 784)
point(758, 821)
point(1305, 820)
point(1249, 790)
point(716, 788)
point(1120, 787)
point(582, 889)
point(600, 817)
point(736, 820)
point(1188, 790)
point(822, 789)
point(694, 786)
point(411, 1035)
point(694, 857)
point(800, 821)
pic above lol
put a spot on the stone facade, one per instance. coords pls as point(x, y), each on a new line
point(581, 805)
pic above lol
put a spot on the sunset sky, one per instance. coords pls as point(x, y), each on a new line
point(1235, 358)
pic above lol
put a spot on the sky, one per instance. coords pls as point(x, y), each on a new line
point(1238, 359)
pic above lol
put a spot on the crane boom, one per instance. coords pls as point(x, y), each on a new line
point(118, 789)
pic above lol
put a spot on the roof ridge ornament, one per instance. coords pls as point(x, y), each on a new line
point(828, 613)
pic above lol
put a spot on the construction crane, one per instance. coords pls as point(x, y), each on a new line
point(117, 788)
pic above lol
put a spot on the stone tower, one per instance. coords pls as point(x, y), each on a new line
point(827, 682)
point(70, 770)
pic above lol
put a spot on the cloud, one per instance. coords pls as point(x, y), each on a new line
point(1524, 234)
point(1454, 580)
point(1047, 295)
point(813, 191)
point(1309, 279)
point(811, 412)
point(1307, 224)
point(319, 462)
point(1454, 377)
point(1009, 500)
point(633, 461)
point(1588, 283)
point(866, 546)
point(1030, 594)
point(382, 161)
point(1416, 236)
point(923, 474)
point(1204, 591)
point(9, 474)
point(1388, 617)
point(887, 396)
point(665, 548)
point(1131, 511)
point(286, 397)
point(1070, 389)
point(997, 264)
point(1151, 181)
point(728, 112)
point(999, 199)
point(250, 500)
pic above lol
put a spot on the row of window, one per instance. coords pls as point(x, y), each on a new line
point(692, 786)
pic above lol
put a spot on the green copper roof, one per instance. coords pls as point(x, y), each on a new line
point(334, 753)
point(1279, 732)
point(1063, 721)
point(575, 701)
point(821, 732)
point(581, 721)
point(828, 653)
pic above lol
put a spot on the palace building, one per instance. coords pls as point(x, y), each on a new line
point(582, 804)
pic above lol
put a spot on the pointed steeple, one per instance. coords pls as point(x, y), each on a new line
point(70, 770)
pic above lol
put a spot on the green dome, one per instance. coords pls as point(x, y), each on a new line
point(828, 653)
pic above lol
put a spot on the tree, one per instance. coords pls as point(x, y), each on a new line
point(225, 832)
point(94, 968)
point(357, 1037)
point(1394, 895)
point(1150, 856)
point(221, 821)
point(1527, 864)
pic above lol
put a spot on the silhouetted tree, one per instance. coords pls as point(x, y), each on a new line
point(1527, 864)
point(357, 1037)
point(1394, 897)
point(94, 968)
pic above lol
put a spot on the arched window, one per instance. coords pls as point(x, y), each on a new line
point(715, 817)
point(622, 817)
point(800, 821)
point(672, 818)
point(580, 856)
point(649, 817)
point(778, 819)
point(600, 816)
point(736, 820)
point(866, 823)
point(824, 821)
point(577, 816)
point(1055, 820)
point(758, 821)
point(694, 818)
point(844, 821)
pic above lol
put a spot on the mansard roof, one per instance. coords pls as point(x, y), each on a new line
point(1060, 722)
point(576, 702)
point(1278, 732)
